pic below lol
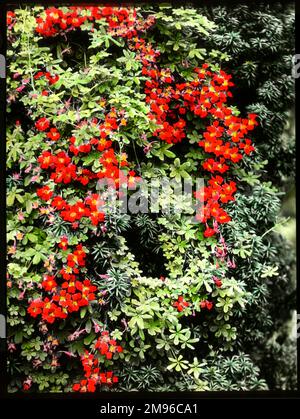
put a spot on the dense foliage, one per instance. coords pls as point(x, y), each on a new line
point(105, 300)
point(260, 48)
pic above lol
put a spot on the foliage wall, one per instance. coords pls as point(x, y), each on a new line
point(101, 300)
point(261, 48)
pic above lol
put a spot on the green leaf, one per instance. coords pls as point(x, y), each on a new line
point(18, 337)
point(88, 326)
point(83, 311)
point(32, 237)
point(28, 207)
point(10, 200)
point(88, 339)
point(36, 259)
point(140, 322)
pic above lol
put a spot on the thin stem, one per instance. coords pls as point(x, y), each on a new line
point(276, 225)
point(135, 153)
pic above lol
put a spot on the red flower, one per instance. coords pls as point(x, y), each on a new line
point(206, 304)
point(38, 75)
point(59, 203)
point(209, 232)
point(54, 14)
point(46, 160)
point(132, 179)
point(107, 11)
point(62, 158)
point(86, 287)
point(227, 191)
point(35, 308)
point(68, 273)
point(52, 79)
point(108, 378)
point(212, 165)
point(97, 217)
point(85, 386)
point(84, 148)
point(10, 17)
point(49, 283)
point(209, 305)
point(51, 311)
point(64, 174)
point(217, 281)
point(103, 144)
point(85, 176)
point(223, 217)
point(44, 193)
point(53, 134)
point(77, 257)
point(27, 384)
point(247, 147)
point(252, 121)
point(108, 158)
point(63, 244)
point(93, 201)
point(75, 212)
point(42, 124)
point(69, 286)
point(232, 154)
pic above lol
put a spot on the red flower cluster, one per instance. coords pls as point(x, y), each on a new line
point(90, 364)
point(206, 97)
point(75, 294)
point(180, 304)
point(107, 346)
point(43, 124)
point(65, 172)
point(94, 203)
point(69, 296)
point(75, 212)
point(216, 192)
point(237, 128)
point(206, 304)
point(85, 386)
point(48, 309)
point(120, 21)
point(47, 160)
point(10, 18)
point(56, 20)
point(106, 128)
point(51, 79)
